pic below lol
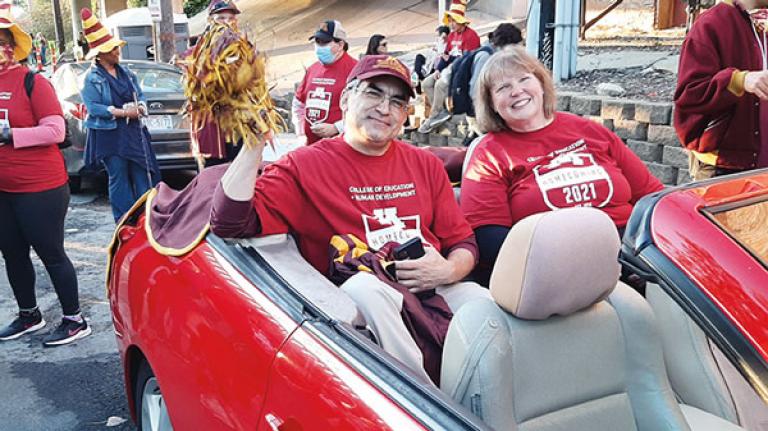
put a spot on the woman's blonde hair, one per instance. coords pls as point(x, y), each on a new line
point(509, 59)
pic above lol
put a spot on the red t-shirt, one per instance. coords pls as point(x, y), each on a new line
point(572, 162)
point(458, 44)
point(32, 169)
point(320, 91)
point(329, 188)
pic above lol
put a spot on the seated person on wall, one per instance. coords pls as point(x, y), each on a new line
point(373, 189)
point(534, 159)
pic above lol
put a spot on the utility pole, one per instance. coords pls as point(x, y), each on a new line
point(58, 25)
point(166, 33)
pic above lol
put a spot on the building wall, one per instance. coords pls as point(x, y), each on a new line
point(509, 9)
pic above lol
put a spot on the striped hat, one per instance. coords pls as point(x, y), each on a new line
point(456, 11)
point(100, 41)
point(21, 39)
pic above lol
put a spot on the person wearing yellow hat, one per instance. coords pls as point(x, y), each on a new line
point(34, 194)
point(115, 135)
point(460, 41)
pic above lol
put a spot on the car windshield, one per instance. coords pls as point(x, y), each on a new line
point(746, 224)
point(151, 80)
point(158, 80)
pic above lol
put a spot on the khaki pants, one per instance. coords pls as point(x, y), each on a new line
point(436, 92)
point(698, 169)
point(381, 305)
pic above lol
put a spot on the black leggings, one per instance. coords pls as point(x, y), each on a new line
point(37, 220)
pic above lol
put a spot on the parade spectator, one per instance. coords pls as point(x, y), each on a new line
point(534, 159)
point(377, 45)
point(368, 185)
point(504, 35)
point(208, 142)
point(721, 100)
point(42, 44)
point(461, 40)
point(34, 194)
point(316, 113)
point(116, 137)
point(82, 42)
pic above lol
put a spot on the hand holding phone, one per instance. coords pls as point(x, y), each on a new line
point(411, 249)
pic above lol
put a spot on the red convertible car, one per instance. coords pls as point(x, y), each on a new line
point(223, 334)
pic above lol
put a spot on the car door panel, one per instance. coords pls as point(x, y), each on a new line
point(312, 388)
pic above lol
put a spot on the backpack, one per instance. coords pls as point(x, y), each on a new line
point(29, 85)
point(461, 74)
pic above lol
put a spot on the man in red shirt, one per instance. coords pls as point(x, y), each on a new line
point(315, 109)
point(365, 184)
point(721, 100)
point(460, 41)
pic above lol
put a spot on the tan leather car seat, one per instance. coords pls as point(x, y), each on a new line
point(700, 374)
point(555, 351)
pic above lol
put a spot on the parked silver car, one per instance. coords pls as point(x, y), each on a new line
point(162, 87)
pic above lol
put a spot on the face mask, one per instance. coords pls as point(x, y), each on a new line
point(324, 54)
point(6, 57)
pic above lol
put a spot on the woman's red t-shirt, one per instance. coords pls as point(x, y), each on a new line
point(32, 169)
point(571, 162)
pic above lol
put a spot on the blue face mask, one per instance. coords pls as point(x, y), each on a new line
point(324, 54)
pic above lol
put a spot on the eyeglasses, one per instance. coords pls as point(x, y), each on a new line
point(375, 97)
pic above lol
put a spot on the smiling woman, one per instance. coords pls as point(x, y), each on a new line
point(534, 159)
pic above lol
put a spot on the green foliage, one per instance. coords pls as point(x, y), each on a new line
point(39, 18)
point(137, 3)
point(193, 7)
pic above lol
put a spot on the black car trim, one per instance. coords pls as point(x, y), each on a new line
point(428, 406)
point(656, 267)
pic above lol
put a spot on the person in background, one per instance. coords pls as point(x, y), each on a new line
point(377, 45)
point(534, 159)
point(42, 43)
point(504, 35)
point(210, 144)
point(367, 185)
point(116, 137)
point(461, 40)
point(721, 100)
point(315, 109)
point(82, 43)
point(34, 194)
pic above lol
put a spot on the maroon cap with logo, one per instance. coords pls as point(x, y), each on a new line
point(382, 65)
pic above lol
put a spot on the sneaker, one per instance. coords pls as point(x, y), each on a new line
point(67, 332)
point(441, 118)
point(433, 122)
point(28, 321)
point(426, 126)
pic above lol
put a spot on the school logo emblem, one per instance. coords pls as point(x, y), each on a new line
point(385, 226)
point(318, 105)
point(573, 179)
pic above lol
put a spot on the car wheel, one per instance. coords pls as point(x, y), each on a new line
point(150, 405)
point(75, 184)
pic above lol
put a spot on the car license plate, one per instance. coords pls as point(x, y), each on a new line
point(159, 122)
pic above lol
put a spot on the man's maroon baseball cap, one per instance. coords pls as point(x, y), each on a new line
point(382, 65)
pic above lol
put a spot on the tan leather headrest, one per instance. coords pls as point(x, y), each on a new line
point(556, 262)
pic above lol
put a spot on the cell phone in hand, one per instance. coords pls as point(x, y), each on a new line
point(411, 249)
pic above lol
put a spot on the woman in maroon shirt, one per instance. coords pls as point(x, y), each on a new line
point(34, 194)
point(534, 159)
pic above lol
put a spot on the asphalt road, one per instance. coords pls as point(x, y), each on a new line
point(77, 386)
